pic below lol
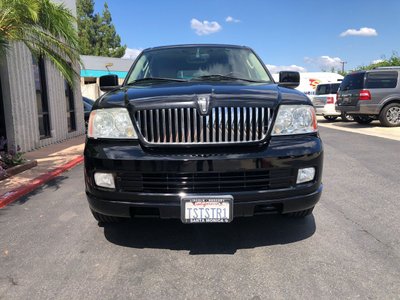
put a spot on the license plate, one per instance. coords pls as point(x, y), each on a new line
point(207, 209)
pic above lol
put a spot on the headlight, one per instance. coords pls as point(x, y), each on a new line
point(295, 119)
point(111, 123)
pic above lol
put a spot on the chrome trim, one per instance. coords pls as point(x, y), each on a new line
point(223, 125)
point(170, 126)
point(151, 126)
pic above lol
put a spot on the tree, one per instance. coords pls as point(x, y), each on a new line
point(394, 60)
point(86, 26)
point(97, 34)
point(46, 28)
point(110, 42)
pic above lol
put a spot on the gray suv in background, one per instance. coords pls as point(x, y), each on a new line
point(370, 95)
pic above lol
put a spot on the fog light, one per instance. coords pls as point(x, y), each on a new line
point(104, 180)
point(305, 175)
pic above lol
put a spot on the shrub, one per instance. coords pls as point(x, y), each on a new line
point(9, 156)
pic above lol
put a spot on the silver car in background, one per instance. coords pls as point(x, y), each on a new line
point(324, 102)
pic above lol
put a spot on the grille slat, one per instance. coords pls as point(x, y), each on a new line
point(187, 126)
point(195, 133)
point(151, 136)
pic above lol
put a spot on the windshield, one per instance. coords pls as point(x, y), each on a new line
point(198, 63)
point(353, 81)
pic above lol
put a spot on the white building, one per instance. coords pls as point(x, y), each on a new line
point(37, 106)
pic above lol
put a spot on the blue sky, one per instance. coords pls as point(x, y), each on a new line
point(305, 35)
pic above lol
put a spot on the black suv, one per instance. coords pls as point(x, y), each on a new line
point(204, 134)
point(370, 95)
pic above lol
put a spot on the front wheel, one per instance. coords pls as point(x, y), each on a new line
point(346, 117)
point(363, 119)
point(300, 214)
point(390, 115)
point(330, 118)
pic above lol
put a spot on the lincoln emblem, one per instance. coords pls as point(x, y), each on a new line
point(203, 102)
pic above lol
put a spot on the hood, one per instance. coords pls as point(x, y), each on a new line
point(177, 93)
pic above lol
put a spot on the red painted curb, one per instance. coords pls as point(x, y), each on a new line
point(13, 195)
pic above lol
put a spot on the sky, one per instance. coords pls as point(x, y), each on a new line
point(306, 35)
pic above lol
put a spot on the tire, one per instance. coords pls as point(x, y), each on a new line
point(330, 118)
point(105, 219)
point(346, 118)
point(363, 119)
point(300, 214)
point(390, 115)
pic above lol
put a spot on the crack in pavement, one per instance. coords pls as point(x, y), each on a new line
point(361, 228)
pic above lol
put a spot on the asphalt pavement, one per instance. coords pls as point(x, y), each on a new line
point(52, 248)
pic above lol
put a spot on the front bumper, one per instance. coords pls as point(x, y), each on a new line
point(282, 153)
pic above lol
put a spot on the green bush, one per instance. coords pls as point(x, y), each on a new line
point(9, 156)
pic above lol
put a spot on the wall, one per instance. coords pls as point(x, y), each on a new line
point(19, 99)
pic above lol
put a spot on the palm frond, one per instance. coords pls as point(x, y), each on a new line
point(46, 28)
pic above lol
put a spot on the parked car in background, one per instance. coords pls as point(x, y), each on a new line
point(370, 95)
point(87, 108)
point(324, 102)
point(310, 80)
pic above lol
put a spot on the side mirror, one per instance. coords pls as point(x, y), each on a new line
point(289, 79)
point(108, 82)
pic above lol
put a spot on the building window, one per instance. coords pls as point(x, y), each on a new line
point(69, 97)
point(41, 97)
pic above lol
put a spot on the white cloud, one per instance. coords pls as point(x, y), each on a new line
point(276, 69)
point(377, 61)
point(205, 27)
point(131, 53)
point(325, 62)
point(364, 31)
point(230, 19)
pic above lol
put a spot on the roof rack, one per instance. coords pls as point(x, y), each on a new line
point(387, 68)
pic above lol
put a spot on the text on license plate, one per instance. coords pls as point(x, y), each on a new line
point(207, 209)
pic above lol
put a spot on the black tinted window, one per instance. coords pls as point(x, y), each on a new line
point(334, 88)
point(381, 80)
point(353, 81)
point(323, 89)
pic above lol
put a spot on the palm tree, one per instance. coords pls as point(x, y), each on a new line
point(46, 28)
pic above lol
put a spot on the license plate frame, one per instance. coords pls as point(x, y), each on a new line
point(209, 209)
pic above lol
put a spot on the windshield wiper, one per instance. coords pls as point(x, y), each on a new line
point(222, 77)
point(149, 79)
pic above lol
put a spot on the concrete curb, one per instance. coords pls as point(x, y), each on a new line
point(14, 195)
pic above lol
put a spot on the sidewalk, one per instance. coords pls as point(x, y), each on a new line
point(52, 160)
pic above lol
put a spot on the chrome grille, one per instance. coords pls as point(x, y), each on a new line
point(187, 126)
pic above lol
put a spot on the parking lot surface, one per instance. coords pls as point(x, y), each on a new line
point(51, 247)
point(372, 129)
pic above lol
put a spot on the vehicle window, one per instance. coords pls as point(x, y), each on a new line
point(323, 89)
point(87, 107)
point(381, 80)
point(353, 81)
point(334, 88)
point(190, 62)
point(88, 101)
